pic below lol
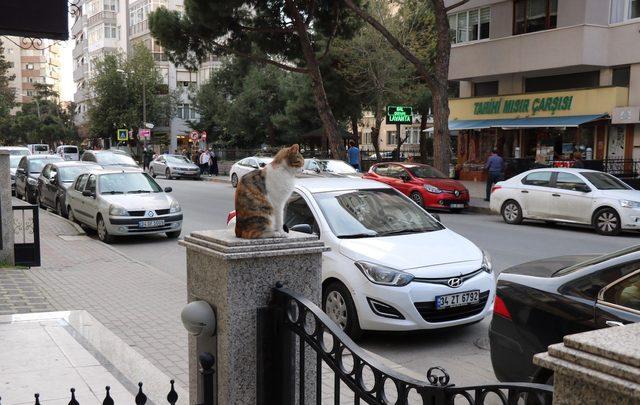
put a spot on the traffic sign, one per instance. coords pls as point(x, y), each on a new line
point(194, 135)
point(203, 136)
point(122, 135)
point(144, 133)
point(398, 114)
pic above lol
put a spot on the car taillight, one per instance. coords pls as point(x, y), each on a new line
point(231, 215)
point(499, 308)
point(494, 188)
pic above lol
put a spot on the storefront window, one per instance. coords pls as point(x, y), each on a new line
point(534, 15)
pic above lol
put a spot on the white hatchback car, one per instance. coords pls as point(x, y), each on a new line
point(577, 196)
point(121, 202)
point(391, 266)
point(246, 165)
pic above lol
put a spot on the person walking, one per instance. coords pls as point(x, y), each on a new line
point(146, 159)
point(495, 170)
point(578, 162)
point(353, 154)
point(213, 163)
point(204, 162)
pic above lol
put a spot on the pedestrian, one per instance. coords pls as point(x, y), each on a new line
point(213, 163)
point(353, 154)
point(146, 158)
point(495, 170)
point(204, 162)
point(578, 162)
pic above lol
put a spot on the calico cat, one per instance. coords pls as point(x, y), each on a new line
point(262, 194)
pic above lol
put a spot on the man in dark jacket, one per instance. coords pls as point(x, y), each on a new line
point(495, 171)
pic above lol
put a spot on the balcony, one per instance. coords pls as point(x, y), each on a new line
point(79, 72)
point(574, 46)
point(103, 16)
point(80, 49)
point(78, 24)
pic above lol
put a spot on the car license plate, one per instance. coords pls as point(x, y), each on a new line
point(151, 224)
point(457, 205)
point(457, 300)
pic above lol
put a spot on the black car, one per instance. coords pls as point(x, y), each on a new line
point(28, 172)
point(54, 180)
point(539, 302)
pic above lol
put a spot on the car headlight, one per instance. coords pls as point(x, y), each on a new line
point(630, 204)
point(175, 207)
point(486, 262)
point(117, 211)
point(378, 274)
point(32, 181)
point(432, 189)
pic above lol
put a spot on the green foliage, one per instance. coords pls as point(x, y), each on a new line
point(119, 86)
point(7, 96)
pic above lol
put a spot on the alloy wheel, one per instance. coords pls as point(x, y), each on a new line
point(607, 222)
point(511, 212)
point(102, 230)
point(234, 180)
point(417, 198)
point(336, 308)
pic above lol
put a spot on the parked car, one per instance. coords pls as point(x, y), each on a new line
point(538, 303)
point(27, 175)
point(575, 196)
point(68, 152)
point(425, 185)
point(392, 266)
point(383, 155)
point(15, 155)
point(329, 167)
point(171, 166)
point(55, 179)
point(123, 202)
point(109, 159)
point(245, 166)
point(38, 148)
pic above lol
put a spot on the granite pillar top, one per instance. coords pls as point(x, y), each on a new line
point(224, 244)
point(619, 343)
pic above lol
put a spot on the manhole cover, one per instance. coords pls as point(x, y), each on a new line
point(482, 343)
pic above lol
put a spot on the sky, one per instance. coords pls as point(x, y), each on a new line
point(66, 58)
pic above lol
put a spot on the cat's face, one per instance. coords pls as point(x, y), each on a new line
point(291, 157)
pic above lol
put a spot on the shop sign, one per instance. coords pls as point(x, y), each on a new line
point(625, 115)
point(397, 114)
point(530, 106)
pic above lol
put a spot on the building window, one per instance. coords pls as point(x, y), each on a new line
point(110, 31)
point(562, 82)
point(391, 138)
point(96, 34)
point(621, 76)
point(186, 112)
point(470, 25)
point(110, 5)
point(534, 15)
point(622, 10)
point(485, 89)
point(412, 136)
point(29, 66)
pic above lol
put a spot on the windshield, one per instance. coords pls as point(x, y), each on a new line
point(14, 160)
point(373, 213)
point(131, 183)
point(336, 166)
point(69, 173)
point(114, 159)
point(36, 165)
point(177, 159)
point(426, 172)
point(595, 260)
point(70, 149)
point(605, 181)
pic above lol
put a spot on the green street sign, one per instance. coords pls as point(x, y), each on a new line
point(397, 114)
point(122, 134)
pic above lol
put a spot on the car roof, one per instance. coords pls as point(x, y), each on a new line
point(66, 163)
point(324, 184)
point(13, 148)
point(113, 171)
point(45, 157)
point(563, 169)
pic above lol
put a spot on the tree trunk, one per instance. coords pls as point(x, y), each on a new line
point(329, 123)
point(375, 132)
point(354, 129)
point(441, 141)
point(424, 116)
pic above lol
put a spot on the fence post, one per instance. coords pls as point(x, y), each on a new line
point(236, 277)
point(6, 212)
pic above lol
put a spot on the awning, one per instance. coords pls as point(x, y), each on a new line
point(532, 122)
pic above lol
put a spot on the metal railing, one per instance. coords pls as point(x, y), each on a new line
point(293, 327)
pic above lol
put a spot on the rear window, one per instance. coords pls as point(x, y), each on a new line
point(114, 159)
point(596, 260)
point(36, 165)
point(41, 148)
point(70, 149)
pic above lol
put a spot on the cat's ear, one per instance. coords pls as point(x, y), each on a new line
point(295, 148)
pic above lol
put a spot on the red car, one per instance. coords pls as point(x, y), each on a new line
point(426, 185)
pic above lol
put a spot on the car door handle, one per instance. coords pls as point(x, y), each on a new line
point(614, 323)
point(524, 191)
point(555, 195)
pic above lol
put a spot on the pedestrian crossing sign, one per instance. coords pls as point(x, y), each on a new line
point(122, 135)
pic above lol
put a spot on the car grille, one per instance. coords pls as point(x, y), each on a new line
point(141, 213)
point(444, 280)
point(429, 312)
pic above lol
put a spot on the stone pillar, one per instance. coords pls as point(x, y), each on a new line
point(597, 367)
point(236, 276)
point(634, 85)
point(6, 213)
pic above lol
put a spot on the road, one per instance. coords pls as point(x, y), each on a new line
point(462, 351)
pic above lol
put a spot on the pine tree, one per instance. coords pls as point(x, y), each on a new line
point(7, 94)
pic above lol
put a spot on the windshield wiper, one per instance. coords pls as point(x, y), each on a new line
point(113, 192)
point(138, 191)
point(404, 231)
point(358, 235)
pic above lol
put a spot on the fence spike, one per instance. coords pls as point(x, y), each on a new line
point(141, 398)
point(73, 397)
point(107, 399)
point(37, 399)
point(172, 396)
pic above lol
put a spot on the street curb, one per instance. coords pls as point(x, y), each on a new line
point(77, 227)
point(479, 210)
point(216, 180)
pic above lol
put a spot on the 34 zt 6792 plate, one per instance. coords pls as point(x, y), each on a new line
point(458, 299)
point(151, 224)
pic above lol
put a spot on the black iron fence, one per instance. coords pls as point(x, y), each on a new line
point(26, 235)
point(295, 334)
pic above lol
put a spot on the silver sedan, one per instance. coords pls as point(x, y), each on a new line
point(171, 166)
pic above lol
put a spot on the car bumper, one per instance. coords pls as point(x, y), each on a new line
point(131, 225)
point(445, 200)
point(186, 174)
point(630, 218)
point(416, 304)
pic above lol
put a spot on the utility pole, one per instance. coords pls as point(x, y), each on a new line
point(144, 109)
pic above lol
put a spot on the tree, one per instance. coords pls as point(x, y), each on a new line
point(430, 21)
point(7, 98)
point(288, 34)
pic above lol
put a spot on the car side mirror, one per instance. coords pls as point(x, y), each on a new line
point(262, 164)
point(583, 188)
point(88, 193)
point(168, 189)
point(303, 228)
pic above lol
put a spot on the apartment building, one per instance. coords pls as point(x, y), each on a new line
point(108, 26)
point(545, 80)
point(387, 140)
point(32, 65)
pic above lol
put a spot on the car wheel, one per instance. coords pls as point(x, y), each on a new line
point(71, 216)
point(511, 212)
point(167, 174)
point(60, 208)
point(152, 173)
point(417, 198)
point(39, 200)
point(234, 180)
point(338, 305)
point(174, 234)
point(29, 198)
point(607, 222)
point(103, 234)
